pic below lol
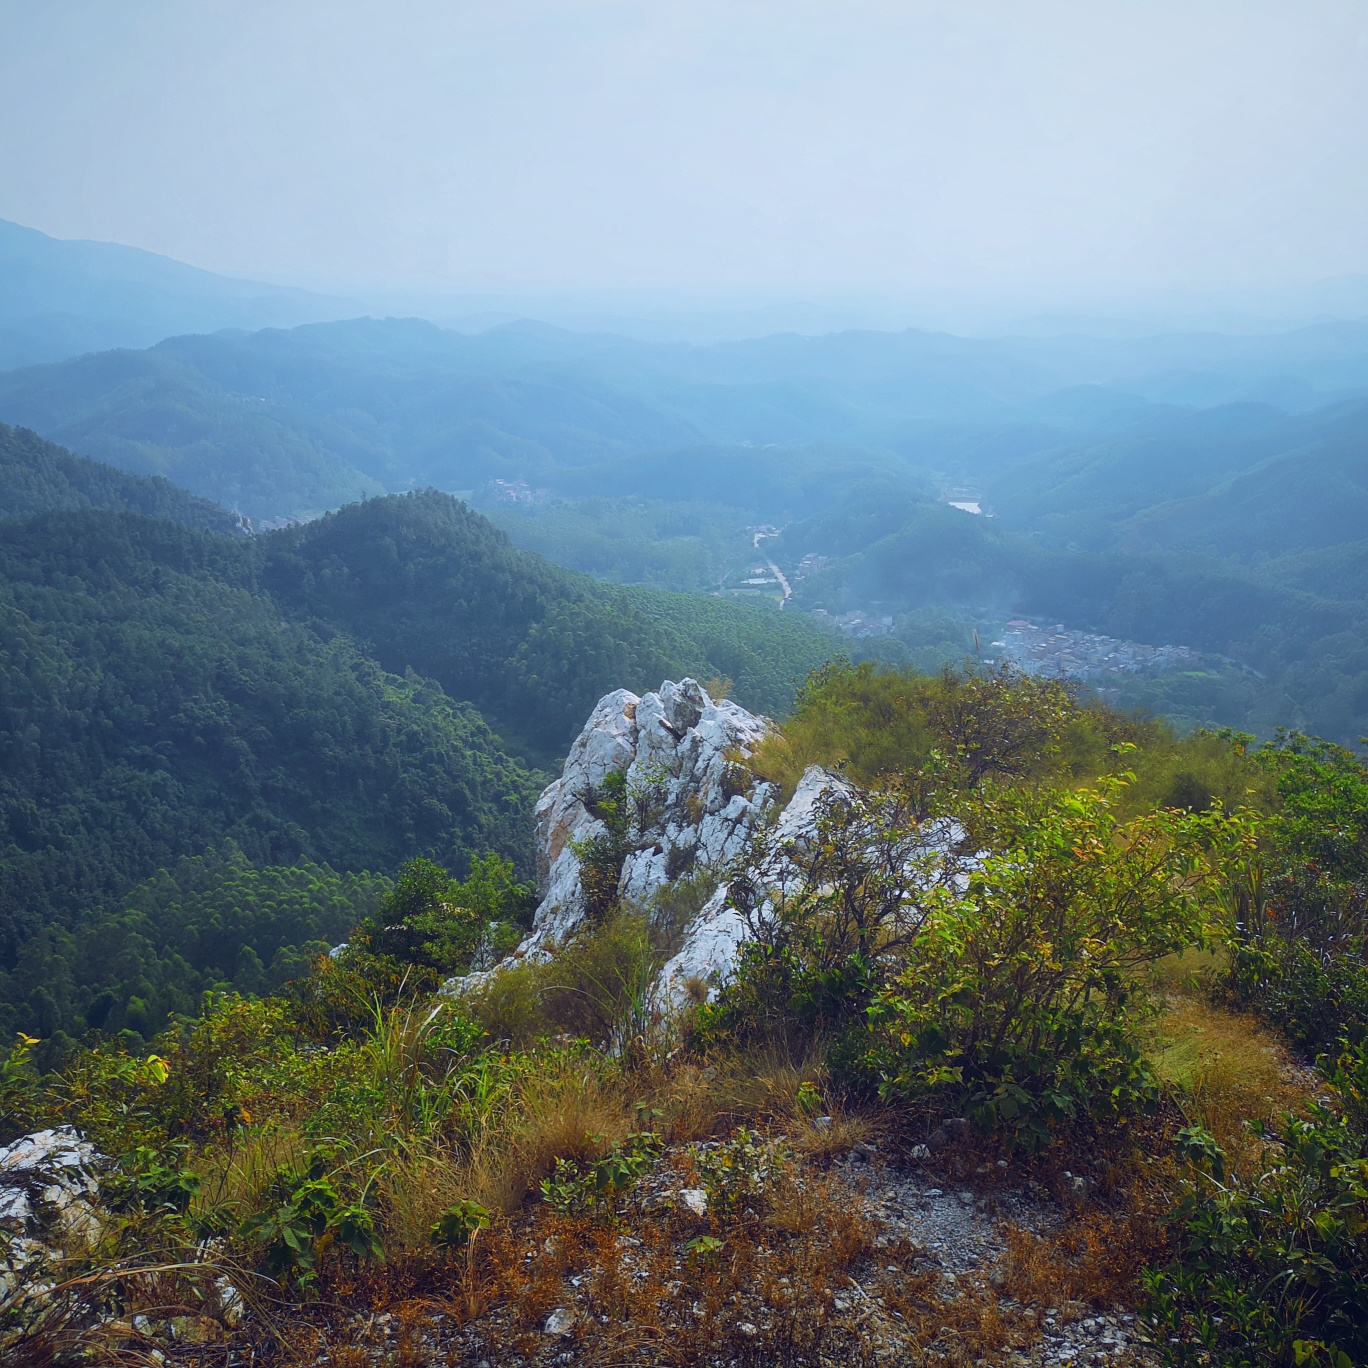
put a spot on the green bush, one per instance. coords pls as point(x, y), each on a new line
point(433, 921)
point(1002, 984)
point(305, 1218)
point(1016, 1004)
point(1273, 1268)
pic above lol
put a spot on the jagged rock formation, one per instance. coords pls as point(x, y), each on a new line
point(49, 1207)
point(695, 805)
point(712, 939)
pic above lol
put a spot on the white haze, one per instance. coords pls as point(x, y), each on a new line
point(1052, 153)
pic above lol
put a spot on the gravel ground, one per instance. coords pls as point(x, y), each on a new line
point(943, 1234)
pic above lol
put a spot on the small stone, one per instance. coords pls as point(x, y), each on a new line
point(695, 1199)
point(195, 1329)
point(821, 1123)
point(561, 1321)
point(746, 1328)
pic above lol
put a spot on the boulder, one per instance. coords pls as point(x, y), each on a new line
point(49, 1209)
point(49, 1188)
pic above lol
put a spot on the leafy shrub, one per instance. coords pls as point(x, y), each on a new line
point(829, 914)
point(435, 922)
point(877, 721)
point(307, 1216)
point(1300, 909)
point(584, 1185)
point(149, 1179)
point(1273, 1267)
point(1016, 1002)
point(18, 1088)
point(739, 1170)
point(458, 1224)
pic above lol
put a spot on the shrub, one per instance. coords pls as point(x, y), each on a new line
point(305, 1218)
point(997, 722)
point(580, 1185)
point(435, 922)
point(828, 914)
point(1300, 908)
point(459, 1224)
point(1016, 1001)
point(1273, 1267)
point(739, 1170)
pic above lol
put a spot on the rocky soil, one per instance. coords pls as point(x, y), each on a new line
point(924, 1286)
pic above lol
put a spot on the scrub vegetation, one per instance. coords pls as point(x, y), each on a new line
point(1124, 953)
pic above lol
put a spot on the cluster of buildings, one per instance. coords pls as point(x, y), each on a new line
point(517, 492)
point(856, 624)
point(1064, 654)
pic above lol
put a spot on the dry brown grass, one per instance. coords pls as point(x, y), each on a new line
point(1226, 1069)
point(821, 1144)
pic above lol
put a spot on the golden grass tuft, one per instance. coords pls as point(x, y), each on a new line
point(1226, 1070)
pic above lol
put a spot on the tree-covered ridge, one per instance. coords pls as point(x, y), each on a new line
point(311, 693)
point(209, 923)
point(429, 585)
point(154, 702)
point(37, 476)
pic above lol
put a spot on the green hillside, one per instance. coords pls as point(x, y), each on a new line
point(154, 701)
point(318, 693)
point(38, 476)
point(430, 585)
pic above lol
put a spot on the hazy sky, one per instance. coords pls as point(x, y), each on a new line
point(798, 144)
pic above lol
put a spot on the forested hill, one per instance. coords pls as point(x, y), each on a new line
point(431, 586)
point(39, 476)
point(311, 693)
point(155, 701)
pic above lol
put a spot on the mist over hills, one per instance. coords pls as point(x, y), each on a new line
point(1199, 489)
point(60, 298)
point(288, 424)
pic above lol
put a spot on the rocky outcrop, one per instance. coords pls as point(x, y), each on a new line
point(713, 938)
point(694, 806)
point(694, 801)
point(49, 1209)
point(49, 1188)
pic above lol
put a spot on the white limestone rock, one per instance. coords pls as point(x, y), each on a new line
point(712, 940)
point(683, 753)
point(49, 1208)
point(48, 1185)
point(696, 807)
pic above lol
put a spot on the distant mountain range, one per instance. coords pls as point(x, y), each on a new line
point(287, 424)
point(60, 299)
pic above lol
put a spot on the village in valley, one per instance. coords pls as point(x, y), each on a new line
point(1063, 653)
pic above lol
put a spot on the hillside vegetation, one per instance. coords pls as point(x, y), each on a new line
point(1196, 490)
point(1083, 1007)
point(322, 697)
point(37, 476)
